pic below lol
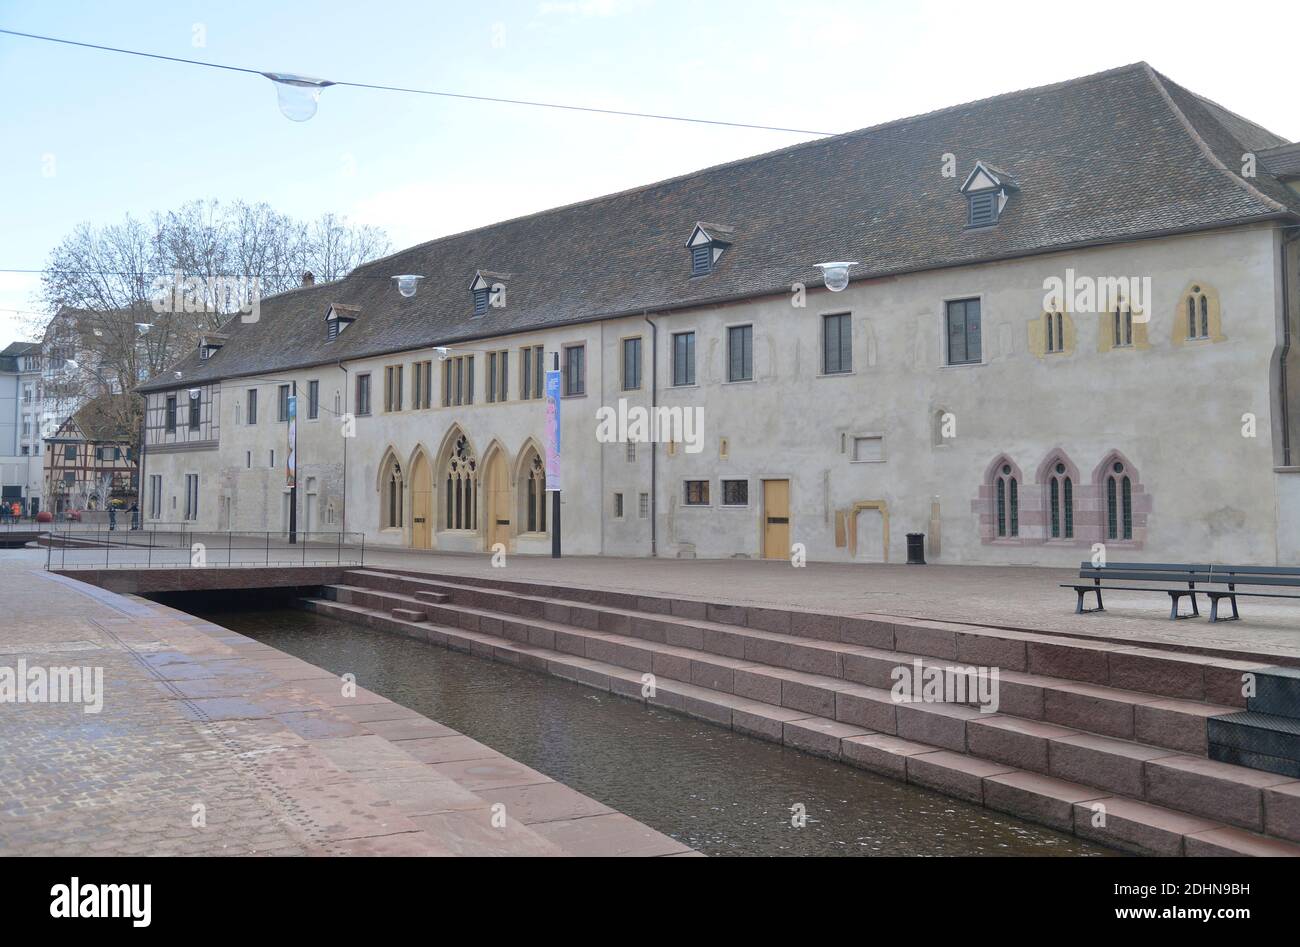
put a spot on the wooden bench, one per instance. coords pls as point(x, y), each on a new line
point(1174, 579)
point(1185, 579)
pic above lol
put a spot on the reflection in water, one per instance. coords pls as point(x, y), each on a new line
point(717, 791)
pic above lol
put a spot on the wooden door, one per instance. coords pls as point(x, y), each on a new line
point(776, 519)
point(421, 503)
point(499, 505)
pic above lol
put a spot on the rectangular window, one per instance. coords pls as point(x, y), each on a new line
point(70, 452)
point(697, 493)
point(735, 493)
point(618, 506)
point(684, 358)
point(196, 406)
point(526, 373)
point(363, 394)
point(458, 380)
point(191, 496)
point(539, 372)
point(171, 413)
point(868, 449)
point(155, 496)
point(503, 376)
point(631, 452)
point(575, 370)
point(740, 353)
point(963, 318)
point(313, 400)
point(252, 405)
point(282, 406)
point(631, 364)
point(643, 506)
point(392, 388)
point(425, 384)
point(492, 377)
point(837, 344)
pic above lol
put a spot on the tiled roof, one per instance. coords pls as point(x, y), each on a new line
point(1284, 161)
point(1120, 155)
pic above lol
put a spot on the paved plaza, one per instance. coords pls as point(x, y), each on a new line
point(210, 743)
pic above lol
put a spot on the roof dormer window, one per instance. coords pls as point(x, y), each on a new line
point(338, 318)
point(987, 191)
point(707, 243)
point(488, 291)
point(209, 345)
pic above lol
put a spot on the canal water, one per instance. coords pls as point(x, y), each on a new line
point(719, 792)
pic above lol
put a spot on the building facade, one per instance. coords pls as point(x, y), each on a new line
point(89, 464)
point(1040, 352)
point(21, 463)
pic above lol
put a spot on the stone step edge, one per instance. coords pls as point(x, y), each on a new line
point(1141, 827)
point(1174, 649)
point(927, 639)
point(829, 683)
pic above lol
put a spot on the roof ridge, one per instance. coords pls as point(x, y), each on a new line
point(737, 162)
point(1158, 81)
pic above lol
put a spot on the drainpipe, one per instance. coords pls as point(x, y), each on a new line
point(343, 526)
point(654, 446)
point(1285, 353)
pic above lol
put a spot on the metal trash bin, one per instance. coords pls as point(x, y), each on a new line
point(916, 549)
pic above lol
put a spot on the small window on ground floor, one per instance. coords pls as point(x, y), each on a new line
point(735, 493)
point(697, 493)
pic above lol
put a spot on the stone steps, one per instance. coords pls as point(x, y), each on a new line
point(1140, 825)
point(1266, 736)
point(1171, 674)
point(846, 682)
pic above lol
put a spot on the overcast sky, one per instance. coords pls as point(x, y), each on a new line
point(123, 134)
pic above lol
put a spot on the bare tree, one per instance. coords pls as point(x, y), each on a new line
point(114, 289)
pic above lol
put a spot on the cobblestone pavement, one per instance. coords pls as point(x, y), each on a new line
point(198, 721)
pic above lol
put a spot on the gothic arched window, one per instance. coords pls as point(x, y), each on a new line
point(462, 487)
point(1119, 503)
point(535, 498)
point(1060, 489)
point(1006, 502)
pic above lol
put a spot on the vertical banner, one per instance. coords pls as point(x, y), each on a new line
point(291, 458)
point(552, 430)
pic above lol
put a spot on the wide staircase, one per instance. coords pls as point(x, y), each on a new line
point(1107, 740)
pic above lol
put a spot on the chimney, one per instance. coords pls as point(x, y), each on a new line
point(308, 279)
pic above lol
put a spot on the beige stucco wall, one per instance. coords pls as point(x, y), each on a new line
point(1173, 409)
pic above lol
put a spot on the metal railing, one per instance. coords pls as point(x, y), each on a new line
point(176, 546)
